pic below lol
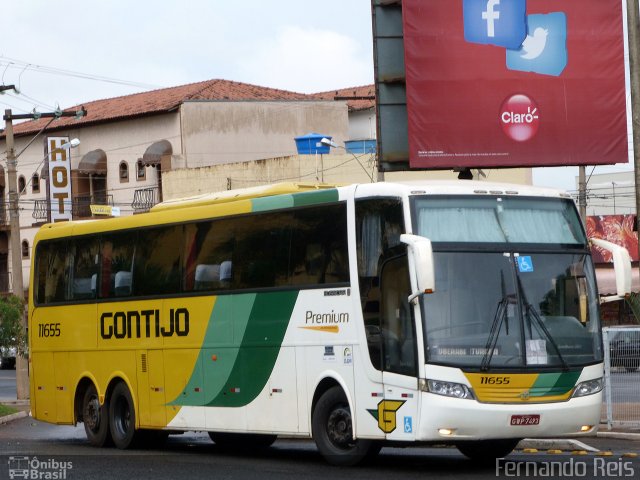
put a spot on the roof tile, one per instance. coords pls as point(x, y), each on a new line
point(168, 99)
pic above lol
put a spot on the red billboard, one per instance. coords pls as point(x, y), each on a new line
point(505, 83)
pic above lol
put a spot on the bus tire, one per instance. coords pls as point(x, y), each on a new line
point(122, 417)
point(242, 440)
point(333, 431)
point(95, 418)
point(486, 451)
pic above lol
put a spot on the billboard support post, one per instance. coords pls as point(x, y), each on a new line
point(633, 21)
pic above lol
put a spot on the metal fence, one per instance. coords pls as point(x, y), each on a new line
point(622, 377)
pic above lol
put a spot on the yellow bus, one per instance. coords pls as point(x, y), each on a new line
point(451, 312)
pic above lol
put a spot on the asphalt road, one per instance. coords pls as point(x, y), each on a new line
point(27, 443)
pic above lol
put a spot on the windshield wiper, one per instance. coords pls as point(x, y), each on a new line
point(532, 313)
point(498, 319)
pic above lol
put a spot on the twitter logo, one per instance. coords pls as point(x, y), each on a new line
point(544, 50)
point(534, 45)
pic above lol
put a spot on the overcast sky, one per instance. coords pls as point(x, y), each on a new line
point(140, 45)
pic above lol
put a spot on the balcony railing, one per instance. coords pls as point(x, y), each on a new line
point(144, 199)
point(80, 208)
point(40, 210)
point(4, 217)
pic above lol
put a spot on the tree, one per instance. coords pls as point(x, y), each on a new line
point(12, 333)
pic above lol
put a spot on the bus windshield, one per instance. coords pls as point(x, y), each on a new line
point(515, 286)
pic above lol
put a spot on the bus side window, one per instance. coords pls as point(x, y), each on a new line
point(52, 278)
point(157, 263)
point(85, 268)
point(318, 251)
point(208, 248)
point(118, 252)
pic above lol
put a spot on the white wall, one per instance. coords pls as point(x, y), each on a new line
point(216, 133)
point(334, 168)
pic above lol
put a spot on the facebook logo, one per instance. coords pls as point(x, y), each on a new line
point(495, 22)
point(544, 50)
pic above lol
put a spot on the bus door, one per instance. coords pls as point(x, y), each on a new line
point(397, 414)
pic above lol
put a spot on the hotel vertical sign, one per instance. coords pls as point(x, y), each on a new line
point(59, 179)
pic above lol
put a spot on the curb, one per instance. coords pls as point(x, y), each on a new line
point(619, 435)
point(12, 417)
point(13, 402)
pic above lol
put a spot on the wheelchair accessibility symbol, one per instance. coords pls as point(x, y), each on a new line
point(525, 264)
point(408, 425)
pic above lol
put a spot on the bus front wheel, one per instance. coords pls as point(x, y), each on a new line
point(333, 431)
point(95, 418)
point(486, 451)
point(122, 417)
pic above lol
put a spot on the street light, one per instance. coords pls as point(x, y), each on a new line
point(327, 142)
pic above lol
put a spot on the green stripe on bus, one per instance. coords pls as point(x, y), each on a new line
point(551, 384)
point(259, 350)
point(303, 199)
point(228, 320)
point(240, 349)
point(271, 203)
point(315, 197)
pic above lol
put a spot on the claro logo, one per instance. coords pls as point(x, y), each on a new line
point(144, 324)
point(520, 117)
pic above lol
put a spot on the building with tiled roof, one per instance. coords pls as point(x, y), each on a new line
point(362, 109)
point(128, 143)
point(163, 101)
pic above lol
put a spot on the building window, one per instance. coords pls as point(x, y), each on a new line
point(22, 185)
point(124, 172)
point(141, 171)
point(35, 183)
point(25, 249)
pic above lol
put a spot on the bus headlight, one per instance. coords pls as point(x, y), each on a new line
point(588, 388)
point(449, 389)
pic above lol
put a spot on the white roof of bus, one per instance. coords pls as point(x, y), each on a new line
point(433, 187)
point(457, 187)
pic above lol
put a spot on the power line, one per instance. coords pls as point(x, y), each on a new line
point(14, 63)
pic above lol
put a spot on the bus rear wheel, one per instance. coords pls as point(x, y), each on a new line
point(333, 431)
point(486, 451)
point(95, 418)
point(122, 417)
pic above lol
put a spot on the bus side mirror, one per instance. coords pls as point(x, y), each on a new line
point(422, 252)
point(622, 267)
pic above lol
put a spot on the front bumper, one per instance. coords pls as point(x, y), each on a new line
point(472, 420)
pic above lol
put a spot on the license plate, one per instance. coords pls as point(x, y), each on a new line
point(524, 420)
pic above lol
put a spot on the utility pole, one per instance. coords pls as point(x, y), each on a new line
point(17, 284)
point(633, 27)
point(582, 193)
